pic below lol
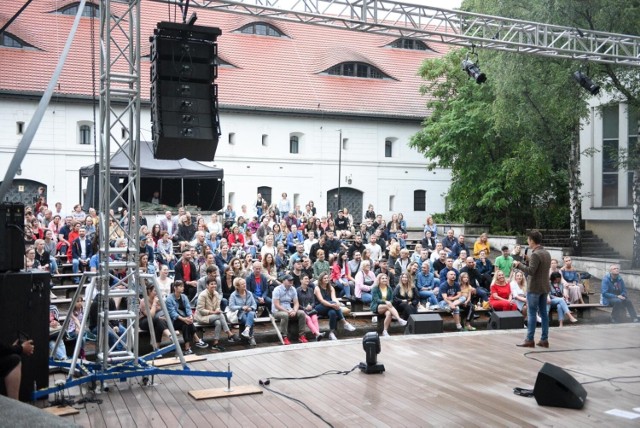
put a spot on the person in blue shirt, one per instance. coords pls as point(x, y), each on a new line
point(614, 294)
point(427, 285)
point(182, 317)
point(451, 297)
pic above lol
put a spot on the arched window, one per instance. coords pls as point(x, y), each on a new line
point(356, 69)
point(11, 41)
point(84, 136)
point(411, 44)
point(419, 200)
point(261, 29)
point(90, 10)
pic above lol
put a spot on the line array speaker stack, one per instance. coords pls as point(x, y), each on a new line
point(11, 240)
point(184, 96)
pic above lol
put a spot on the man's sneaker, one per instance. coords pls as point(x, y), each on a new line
point(434, 307)
point(385, 333)
point(332, 336)
point(302, 339)
point(349, 327)
point(233, 339)
point(402, 322)
point(217, 347)
point(188, 351)
point(201, 344)
point(319, 337)
point(246, 332)
point(252, 342)
point(286, 341)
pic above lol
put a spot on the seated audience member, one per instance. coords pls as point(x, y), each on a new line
point(320, 265)
point(435, 254)
point(282, 258)
point(186, 231)
point(328, 306)
point(431, 226)
point(11, 365)
point(355, 263)
point(224, 257)
point(475, 279)
point(340, 275)
point(381, 303)
point(159, 320)
point(114, 329)
point(299, 253)
point(60, 353)
point(427, 285)
point(614, 293)
point(243, 302)
point(307, 300)
point(375, 250)
point(165, 251)
point(257, 283)
point(448, 267)
point(343, 227)
point(501, 298)
point(268, 247)
point(482, 244)
point(294, 238)
point(270, 269)
point(448, 241)
point(285, 306)
point(405, 297)
point(417, 254)
point(451, 297)
point(458, 247)
point(571, 282)
point(519, 292)
point(164, 282)
point(428, 242)
point(485, 268)
point(211, 272)
point(234, 270)
point(402, 263)
point(516, 254)
point(180, 314)
point(557, 299)
point(383, 267)
point(439, 264)
point(461, 261)
point(467, 309)
point(364, 282)
point(394, 255)
point(81, 250)
point(43, 257)
point(209, 311)
point(187, 272)
point(504, 262)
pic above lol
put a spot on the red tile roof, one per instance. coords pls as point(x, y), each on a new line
point(272, 72)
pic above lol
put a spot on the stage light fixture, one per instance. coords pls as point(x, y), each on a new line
point(584, 81)
point(371, 346)
point(473, 71)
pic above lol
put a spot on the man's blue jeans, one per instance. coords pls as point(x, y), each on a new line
point(537, 304)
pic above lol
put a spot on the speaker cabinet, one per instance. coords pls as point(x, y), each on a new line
point(557, 388)
point(184, 97)
point(503, 320)
point(424, 324)
point(12, 244)
point(24, 305)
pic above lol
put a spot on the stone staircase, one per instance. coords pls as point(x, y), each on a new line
point(592, 245)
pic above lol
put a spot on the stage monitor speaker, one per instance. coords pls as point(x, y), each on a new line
point(503, 320)
point(424, 324)
point(24, 305)
point(11, 239)
point(184, 96)
point(557, 388)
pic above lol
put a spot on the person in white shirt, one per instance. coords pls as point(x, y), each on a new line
point(375, 249)
point(215, 226)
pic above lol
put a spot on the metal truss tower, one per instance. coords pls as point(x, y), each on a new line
point(118, 274)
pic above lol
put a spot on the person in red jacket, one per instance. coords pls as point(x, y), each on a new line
point(501, 298)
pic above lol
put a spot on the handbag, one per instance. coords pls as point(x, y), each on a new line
point(232, 316)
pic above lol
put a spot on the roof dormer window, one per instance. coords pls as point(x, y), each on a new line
point(356, 69)
point(11, 41)
point(410, 44)
point(90, 10)
point(261, 29)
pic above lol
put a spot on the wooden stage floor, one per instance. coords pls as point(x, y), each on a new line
point(451, 379)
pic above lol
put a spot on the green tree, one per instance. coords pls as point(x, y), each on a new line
point(491, 165)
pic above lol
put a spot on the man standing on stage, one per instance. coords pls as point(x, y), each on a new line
point(537, 289)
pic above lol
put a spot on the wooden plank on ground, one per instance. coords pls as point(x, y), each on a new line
point(163, 362)
point(236, 391)
point(61, 411)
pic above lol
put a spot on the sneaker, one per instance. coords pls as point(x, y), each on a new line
point(319, 337)
point(385, 333)
point(303, 339)
point(332, 336)
point(470, 328)
point(252, 342)
point(201, 344)
point(448, 309)
point(246, 332)
point(233, 339)
point(217, 347)
point(187, 352)
point(286, 341)
point(402, 322)
point(434, 307)
point(459, 327)
point(349, 327)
